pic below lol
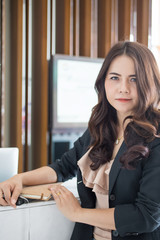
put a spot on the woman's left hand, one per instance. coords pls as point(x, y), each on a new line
point(66, 202)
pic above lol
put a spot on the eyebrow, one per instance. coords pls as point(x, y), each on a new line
point(114, 73)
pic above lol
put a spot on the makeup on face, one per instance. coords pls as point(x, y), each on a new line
point(120, 85)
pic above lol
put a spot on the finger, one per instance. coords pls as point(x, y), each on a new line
point(7, 194)
point(50, 186)
point(56, 195)
point(6, 191)
point(1, 193)
point(58, 187)
point(2, 200)
point(15, 195)
point(55, 188)
point(58, 190)
point(65, 193)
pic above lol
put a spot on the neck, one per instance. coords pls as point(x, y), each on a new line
point(120, 129)
point(120, 120)
point(121, 124)
point(120, 134)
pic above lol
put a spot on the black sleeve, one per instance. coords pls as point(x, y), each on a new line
point(66, 167)
point(143, 215)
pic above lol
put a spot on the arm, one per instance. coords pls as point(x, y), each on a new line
point(70, 207)
point(103, 218)
point(11, 188)
point(39, 176)
point(139, 216)
point(61, 170)
point(66, 167)
point(143, 215)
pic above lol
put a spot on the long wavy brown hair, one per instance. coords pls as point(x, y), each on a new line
point(143, 125)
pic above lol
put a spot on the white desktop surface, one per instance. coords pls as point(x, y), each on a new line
point(35, 221)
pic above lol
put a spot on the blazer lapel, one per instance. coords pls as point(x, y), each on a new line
point(116, 167)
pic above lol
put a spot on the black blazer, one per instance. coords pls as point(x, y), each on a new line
point(135, 194)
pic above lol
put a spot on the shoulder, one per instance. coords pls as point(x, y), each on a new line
point(153, 160)
point(156, 141)
point(85, 139)
point(83, 142)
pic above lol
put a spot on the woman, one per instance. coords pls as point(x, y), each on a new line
point(117, 160)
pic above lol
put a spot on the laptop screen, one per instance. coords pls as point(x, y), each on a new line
point(8, 162)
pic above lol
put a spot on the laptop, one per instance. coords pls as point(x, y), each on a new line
point(8, 162)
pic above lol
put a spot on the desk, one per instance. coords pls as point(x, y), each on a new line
point(35, 221)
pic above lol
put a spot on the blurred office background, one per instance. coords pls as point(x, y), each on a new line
point(32, 35)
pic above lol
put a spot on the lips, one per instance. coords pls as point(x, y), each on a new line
point(123, 99)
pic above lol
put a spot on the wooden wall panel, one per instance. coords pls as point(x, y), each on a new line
point(62, 26)
point(104, 27)
point(39, 83)
point(67, 26)
point(85, 28)
point(60, 18)
point(94, 28)
point(142, 21)
point(133, 19)
point(76, 27)
point(114, 22)
point(26, 126)
point(72, 28)
point(15, 81)
point(1, 101)
point(124, 16)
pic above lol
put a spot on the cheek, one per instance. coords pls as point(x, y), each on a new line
point(109, 90)
point(107, 87)
point(106, 91)
point(136, 94)
point(109, 96)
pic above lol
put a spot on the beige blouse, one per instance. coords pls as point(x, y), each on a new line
point(98, 180)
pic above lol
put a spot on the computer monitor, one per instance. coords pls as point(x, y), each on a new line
point(74, 95)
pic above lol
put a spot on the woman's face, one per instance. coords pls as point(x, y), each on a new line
point(121, 87)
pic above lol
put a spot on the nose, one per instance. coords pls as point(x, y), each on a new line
point(124, 87)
